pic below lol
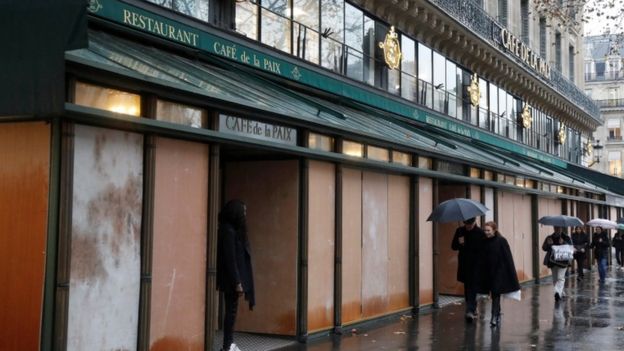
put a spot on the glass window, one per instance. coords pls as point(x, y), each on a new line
point(493, 90)
point(352, 148)
point(475, 172)
point(181, 114)
point(401, 157)
point(247, 19)
point(425, 76)
point(354, 39)
point(332, 33)
point(369, 48)
point(501, 128)
point(483, 104)
point(451, 88)
point(306, 30)
point(320, 142)
point(377, 153)
point(275, 30)
point(107, 99)
point(193, 8)
point(488, 175)
point(408, 67)
point(439, 80)
point(425, 162)
point(615, 163)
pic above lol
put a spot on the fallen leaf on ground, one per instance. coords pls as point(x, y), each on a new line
point(399, 332)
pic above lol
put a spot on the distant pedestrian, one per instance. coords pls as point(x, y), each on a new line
point(618, 243)
point(558, 268)
point(468, 240)
point(497, 272)
point(600, 244)
point(234, 272)
point(581, 246)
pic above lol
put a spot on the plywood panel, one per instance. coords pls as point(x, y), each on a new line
point(547, 207)
point(272, 220)
point(425, 238)
point(24, 174)
point(351, 245)
point(321, 246)
point(105, 243)
point(475, 194)
point(178, 291)
point(447, 267)
point(522, 237)
point(613, 213)
point(398, 242)
point(489, 203)
point(374, 243)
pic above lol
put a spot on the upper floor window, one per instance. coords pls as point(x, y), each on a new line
point(524, 18)
point(615, 163)
point(542, 34)
point(193, 8)
point(614, 128)
point(502, 12)
point(558, 51)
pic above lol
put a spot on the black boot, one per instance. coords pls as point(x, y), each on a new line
point(495, 321)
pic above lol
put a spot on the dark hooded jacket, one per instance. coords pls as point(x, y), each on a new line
point(495, 267)
point(234, 257)
point(468, 252)
point(601, 249)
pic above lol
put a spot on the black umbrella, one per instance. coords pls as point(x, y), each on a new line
point(457, 210)
point(561, 221)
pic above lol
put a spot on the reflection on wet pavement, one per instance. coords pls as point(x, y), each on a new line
point(590, 318)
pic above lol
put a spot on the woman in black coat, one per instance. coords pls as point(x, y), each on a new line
point(618, 243)
point(497, 272)
point(234, 272)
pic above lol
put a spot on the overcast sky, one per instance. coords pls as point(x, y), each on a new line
point(598, 24)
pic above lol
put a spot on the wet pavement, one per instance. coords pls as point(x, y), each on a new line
point(590, 318)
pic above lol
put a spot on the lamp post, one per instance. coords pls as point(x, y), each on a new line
point(597, 153)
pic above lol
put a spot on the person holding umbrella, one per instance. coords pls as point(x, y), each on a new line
point(468, 240)
point(558, 268)
point(581, 245)
point(600, 244)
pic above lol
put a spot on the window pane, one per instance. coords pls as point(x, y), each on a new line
point(275, 31)
point(107, 99)
point(425, 162)
point(306, 43)
point(483, 104)
point(194, 8)
point(354, 38)
point(306, 12)
point(332, 24)
point(425, 76)
point(401, 157)
point(247, 19)
point(408, 58)
point(280, 7)
point(377, 153)
point(439, 80)
point(182, 114)
point(369, 50)
point(451, 87)
point(352, 148)
point(320, 142)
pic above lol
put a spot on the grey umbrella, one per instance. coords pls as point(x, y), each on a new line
point(457, 210)
point(561, 221)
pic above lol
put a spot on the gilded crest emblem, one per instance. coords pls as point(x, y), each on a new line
point(589, 148)
point(94, 6)
point(392, 49)
point(473, 91)
point(561, 135)
point(525, 116)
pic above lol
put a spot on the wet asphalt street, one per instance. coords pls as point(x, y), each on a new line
point(590, 318)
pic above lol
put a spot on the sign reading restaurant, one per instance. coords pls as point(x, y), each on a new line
point(521, 50)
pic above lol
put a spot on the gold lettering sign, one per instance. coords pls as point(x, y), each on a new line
point(525, 117)
point(519, 49)
point(561, 135)
point(160, 28)
point(473, 91)
point(392, 49)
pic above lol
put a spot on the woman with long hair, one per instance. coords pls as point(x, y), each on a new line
point(497, 272)
point(234, 272)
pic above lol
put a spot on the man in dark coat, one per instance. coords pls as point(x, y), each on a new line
point(234, 271)
point(601, 244)
point(581, 244)
point(468, 240)
point(497, 271)
point(618, 243)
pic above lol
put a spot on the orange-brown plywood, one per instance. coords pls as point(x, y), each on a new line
point(425, 238)
point(447, 261)
point(398, 242)
point(271, 191)
point(515, 224)
point(24, 174)
point(351, 245)
point(179, 246)
point(321, 237)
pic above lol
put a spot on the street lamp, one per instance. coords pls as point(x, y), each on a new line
point(597, 154)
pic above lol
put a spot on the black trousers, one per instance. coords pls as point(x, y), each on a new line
point(470, 294)
point(619, 257)
point(580, 264)
point(496, 305)
point(231, 305)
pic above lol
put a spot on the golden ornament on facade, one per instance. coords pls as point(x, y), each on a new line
point(392, 49)
point(589, 148)
point(561, 135)
point(525, 115)
point(473, 91)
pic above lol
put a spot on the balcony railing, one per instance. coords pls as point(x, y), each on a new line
point(610, 103)
point(599, 77)
point(471, 15)
point(614, 139)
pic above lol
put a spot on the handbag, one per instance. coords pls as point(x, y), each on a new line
point(562, 255)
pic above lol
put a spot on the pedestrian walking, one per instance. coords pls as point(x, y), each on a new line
point(558, 268)
point(468, 240)
point(497, 272)
point(600, 244)
point(581, 246)
point(618, 243)
point(234, 271)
